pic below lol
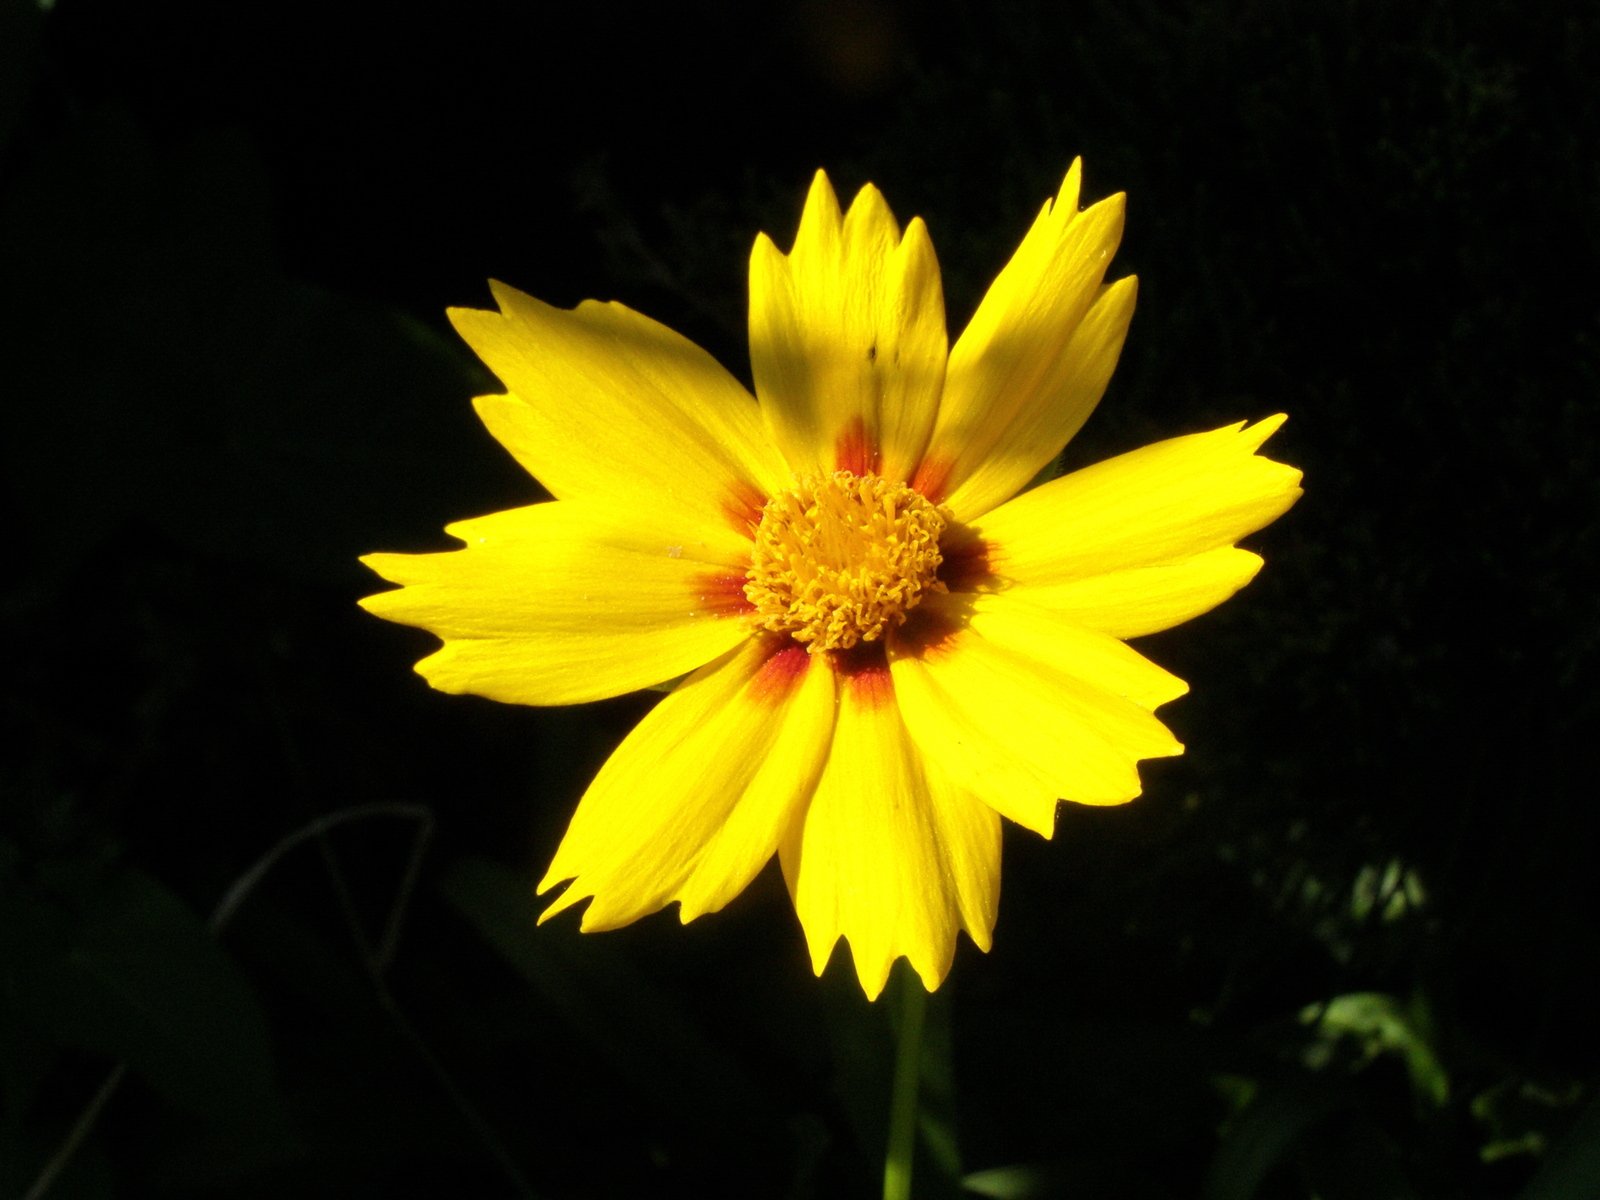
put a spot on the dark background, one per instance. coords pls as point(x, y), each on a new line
point(1342, 948)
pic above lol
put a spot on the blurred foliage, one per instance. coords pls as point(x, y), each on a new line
point(1341, 948)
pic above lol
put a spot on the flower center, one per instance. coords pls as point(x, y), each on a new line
point(842, 559)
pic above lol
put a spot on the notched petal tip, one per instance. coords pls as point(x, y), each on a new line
point(873, 979)
point(590, 918)
point(917, 235)
point(1032, 818)
point(872, 970)
point(1259, 432)
point(374, 560)
point(554, 877)
point(480, 328)
point(573, 895)
point(820, 219)
point(1066, 197)
point(870, 210)
point(767, 262)
point(873, 973)
point(470, 322)
point(693, 910)
point(1104, 222)
point(508, 297)
point(374, 603)
point(462, 318)
point(554, 909)
point(933, 973)
point(398, 569)
point(1255, 436)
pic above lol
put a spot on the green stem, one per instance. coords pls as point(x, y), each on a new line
point(913, 1004)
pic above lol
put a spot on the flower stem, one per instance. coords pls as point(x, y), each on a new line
point(912, 1003)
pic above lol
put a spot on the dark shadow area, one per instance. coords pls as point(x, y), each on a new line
point(1341, 948)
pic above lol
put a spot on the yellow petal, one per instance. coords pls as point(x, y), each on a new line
point(1149, 599)
point(847, 337)
point(569, 601)
point(607, 404)
point(1032, 364)
point(1025, 709)
point(888, 855)
point(692, 804)
point(1161, 504)
point(1055, 645)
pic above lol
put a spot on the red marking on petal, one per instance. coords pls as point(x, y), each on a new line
point(742, 507)
point(781, 673)
point(723, 595)
point(854, 451)
point(932, 478)
point(864, 671)
point(927, 633)
point(966, 566)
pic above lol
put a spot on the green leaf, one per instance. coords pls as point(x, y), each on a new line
point(1572, 1172)
point(1263, 1135)
point(1381, 1024)
point(1023, 1181)
point(142, 980)
point(1353, 1160)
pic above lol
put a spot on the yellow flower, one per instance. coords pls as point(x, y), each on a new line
point(890, 648)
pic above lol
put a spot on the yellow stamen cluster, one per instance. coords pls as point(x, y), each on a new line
point(842, 559)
